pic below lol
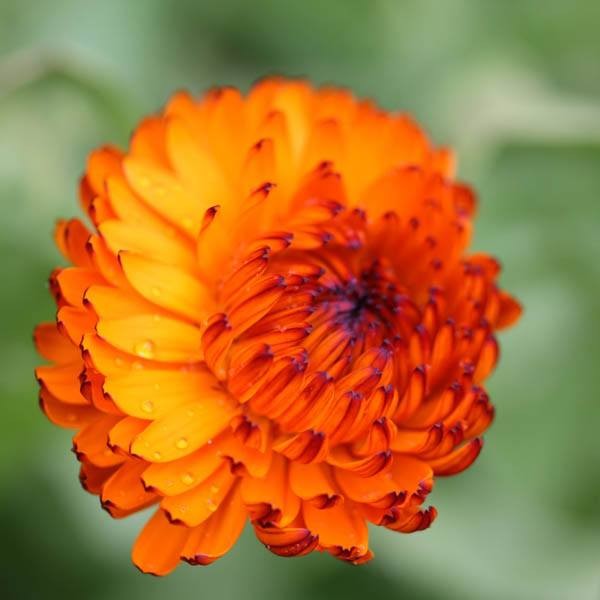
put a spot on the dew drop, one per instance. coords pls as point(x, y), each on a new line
point(211, 505)
point(155, 291)
point(181, 443)
point(214, 489)
point(147, 406)
point(145, 349)
point(119, 362)
point(157, 386)
point(72, 417)
point(209, 442)
point(156, 318)
point(187, 478)
point(137, 365)
point(156, 455)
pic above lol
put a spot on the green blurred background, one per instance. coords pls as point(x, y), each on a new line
point(515, 87)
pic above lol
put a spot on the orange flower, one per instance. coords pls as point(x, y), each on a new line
point(273, 318)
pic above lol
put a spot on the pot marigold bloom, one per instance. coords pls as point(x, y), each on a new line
point(273, 318)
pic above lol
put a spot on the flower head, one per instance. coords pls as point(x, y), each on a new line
point(274, 318)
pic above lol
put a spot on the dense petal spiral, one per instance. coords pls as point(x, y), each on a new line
point(272, 317)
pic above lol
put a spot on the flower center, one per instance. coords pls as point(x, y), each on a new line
point(368, 301)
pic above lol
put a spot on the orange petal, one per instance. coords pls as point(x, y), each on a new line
point(314, 483)
point(71, 238)
point(286, 541)
point(122, 434)
point(124, 489)
point(341, 529)
point(53, 345)
point(177, 477)
point(91, 443)
point(121, 236)
point(458, 460)
point(168, 286)
point(74, 281)
point(75, 322)
point(66, 415)
point(161, 191)
point(185, 428)
point(154, 337)
point(271, 499)
point(194, 506)
point(159, 545)
point(217, 535)
point(63, 382)
point(195, 165)
point(116, 303)
point(151, 394)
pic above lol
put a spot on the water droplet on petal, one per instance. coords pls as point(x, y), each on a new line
point(214, 489)
point(157, 386)
point(119, 361)
point(156, 291)
point(148, 406)
point(145, 349)
point(211, 505)
point(156, 455)
point(181, 443)
point(137, 365)
point(187, 478)
point(209, 442)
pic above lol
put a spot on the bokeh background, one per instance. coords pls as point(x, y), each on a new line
point(515, 87)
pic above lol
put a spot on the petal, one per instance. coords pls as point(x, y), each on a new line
point(63, 382)
point(195, 165)
point(217, 535)
point(194, 506)
point(459, 460)
point(71, 238)
point(168, 286)
point(286, 541)
point(66, 415)
point(185, 429)
point(124, 489)
point(152, 394)
point(115, 303)
point(53, 345)
point(121, 435)
point(341, 529)
point(177, 477)
point(74, 281)
point(91, 443)
point(271, 499)
point(159, 545)
point(172, 250)
point(153, 337)
point(75, 322)
point(164, 193)
point(314, 483)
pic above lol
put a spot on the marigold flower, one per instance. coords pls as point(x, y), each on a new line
point(274, 318)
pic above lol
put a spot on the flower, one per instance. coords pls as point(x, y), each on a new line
point(274, 318)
